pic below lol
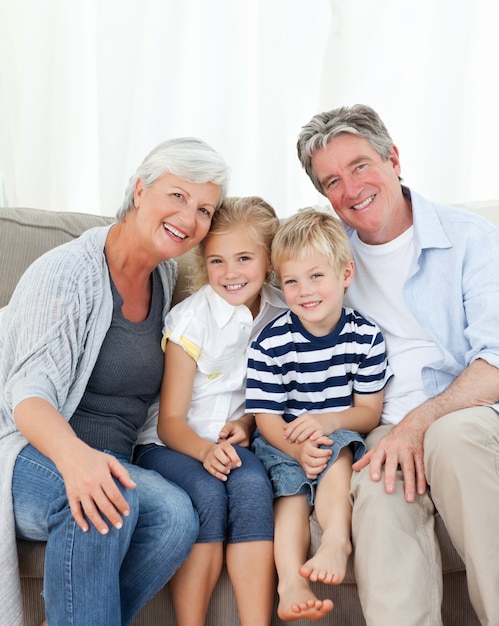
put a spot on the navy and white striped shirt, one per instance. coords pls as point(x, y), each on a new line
point(291, 372)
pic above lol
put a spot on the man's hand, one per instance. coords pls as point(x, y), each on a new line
point(401, 448)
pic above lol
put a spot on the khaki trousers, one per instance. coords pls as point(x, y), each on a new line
point(397, 557)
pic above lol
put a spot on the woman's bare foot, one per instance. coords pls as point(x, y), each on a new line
point(309, 606)
point(329, 563)
point(44, 623)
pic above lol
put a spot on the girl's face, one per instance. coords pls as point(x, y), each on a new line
point(237, 267)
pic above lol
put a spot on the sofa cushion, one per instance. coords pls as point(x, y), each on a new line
point(28, 233)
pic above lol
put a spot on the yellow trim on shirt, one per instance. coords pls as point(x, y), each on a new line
point(192, 350)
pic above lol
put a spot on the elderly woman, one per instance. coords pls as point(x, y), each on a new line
point(80, 362)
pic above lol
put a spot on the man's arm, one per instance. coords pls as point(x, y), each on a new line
point(477, 385)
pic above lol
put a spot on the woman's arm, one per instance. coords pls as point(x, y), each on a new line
point(87, 473)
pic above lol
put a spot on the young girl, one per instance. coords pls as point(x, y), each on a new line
point(204, 432)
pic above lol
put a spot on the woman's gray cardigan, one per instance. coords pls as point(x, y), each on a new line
point(50, 336)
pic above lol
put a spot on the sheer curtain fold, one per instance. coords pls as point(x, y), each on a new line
point(88, 88)
point(429, 69)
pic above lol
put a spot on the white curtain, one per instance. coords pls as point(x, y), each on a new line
point(88, 87)
point(429, 67)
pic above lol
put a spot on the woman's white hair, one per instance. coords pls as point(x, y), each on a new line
point(188, 158)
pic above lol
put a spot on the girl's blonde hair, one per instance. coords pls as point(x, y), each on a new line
point(251, 212)
point(311, 232)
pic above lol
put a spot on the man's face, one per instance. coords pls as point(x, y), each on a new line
point(364, 190)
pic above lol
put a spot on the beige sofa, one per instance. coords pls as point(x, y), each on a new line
point(27, 233)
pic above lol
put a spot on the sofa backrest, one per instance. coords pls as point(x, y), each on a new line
point(25, 234)
point(487, 209)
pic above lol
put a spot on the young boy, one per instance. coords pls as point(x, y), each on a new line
point(315, 380)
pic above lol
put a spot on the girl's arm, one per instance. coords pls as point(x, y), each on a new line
point(87, 473)
point(173, 430)
point(362, 417)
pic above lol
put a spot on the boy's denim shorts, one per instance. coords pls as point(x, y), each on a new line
point(288, 477)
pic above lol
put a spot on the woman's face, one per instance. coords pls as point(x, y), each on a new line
point(173, 215)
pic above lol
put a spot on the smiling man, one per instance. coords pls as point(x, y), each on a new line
point(426, 274)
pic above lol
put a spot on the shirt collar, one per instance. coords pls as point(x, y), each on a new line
point(428, 229)
point(223, 312)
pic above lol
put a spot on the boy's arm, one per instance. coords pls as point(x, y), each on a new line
point(362, 417)
point(311, 457)
point(272, 427)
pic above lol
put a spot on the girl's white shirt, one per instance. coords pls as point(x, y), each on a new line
point(216, 335)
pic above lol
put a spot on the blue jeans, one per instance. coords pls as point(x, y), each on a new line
point(288, 477)
point(92, 578)
point(238, 510)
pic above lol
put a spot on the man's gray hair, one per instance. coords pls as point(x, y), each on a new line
point(358, 120)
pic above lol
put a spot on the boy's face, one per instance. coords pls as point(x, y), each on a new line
point(314, 291)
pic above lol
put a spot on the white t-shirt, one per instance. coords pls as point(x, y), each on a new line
point(216, 335)
point(376, 292)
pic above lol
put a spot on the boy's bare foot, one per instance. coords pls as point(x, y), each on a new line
point(329, 563)
point(310, 607)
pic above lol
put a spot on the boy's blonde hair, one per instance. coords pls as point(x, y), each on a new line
point(250, 212)
point(311, 232)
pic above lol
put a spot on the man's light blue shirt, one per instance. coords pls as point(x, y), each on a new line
point(453, 288)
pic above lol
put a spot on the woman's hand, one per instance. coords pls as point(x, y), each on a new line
point(87, 473)
point(221, 459)
point(89, 476)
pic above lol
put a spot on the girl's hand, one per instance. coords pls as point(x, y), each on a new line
point(314, 459)
point(221, 459)
point(238, 431)
point(307, 426)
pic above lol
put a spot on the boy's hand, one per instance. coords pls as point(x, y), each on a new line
point(314, 459)
point(304, 427)
point(221, 459)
